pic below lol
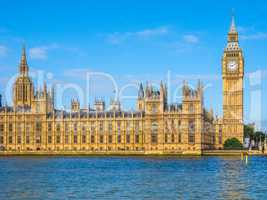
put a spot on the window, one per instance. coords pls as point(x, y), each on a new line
point(128, 138)
point(49, 127)
point(136, 139)
point(75, 139)
point(38, 126)
point(191, 131)
point(101, 139)
point(27, 139)
point(10, 128)
point(1, 139)
point(136, 127)
point(49, 139)
point(180, 137)
point(58, 127)
point(75, 128)
point(101, 127)
point(191, 108)
point(58, 139)
point(2, 127)
point(173, 138)
point(38, 139)
point(19, 139)
point(119, 139)
point(166, 138)
point(28, 128)
point(83, 130)
point(93, 129)
point(10, 139)
point(110, 127)
point(92, 139)
point(110, 139)
point(119, 127)
point(66, 139)
point(84, 139)
point(154, 133)
point(128, 127)
point(154, 108)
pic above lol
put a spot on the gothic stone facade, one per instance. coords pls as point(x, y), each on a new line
point(33, 124)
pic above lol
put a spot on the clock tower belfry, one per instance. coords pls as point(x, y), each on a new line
point(232, 74)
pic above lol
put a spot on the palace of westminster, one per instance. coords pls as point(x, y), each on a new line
point(33, 124)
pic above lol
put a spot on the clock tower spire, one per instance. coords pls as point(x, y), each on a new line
point(232, 74)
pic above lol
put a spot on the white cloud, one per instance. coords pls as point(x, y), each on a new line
point(192, 39)
point(152, 32)
point(38, 53)
point(79, 73)
point(3, 50)
point(254, 36)
point(119, 37)
point(41, 52)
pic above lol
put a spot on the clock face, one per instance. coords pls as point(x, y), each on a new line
point(232, 65)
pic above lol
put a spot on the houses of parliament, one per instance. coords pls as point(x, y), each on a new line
point(33, 124)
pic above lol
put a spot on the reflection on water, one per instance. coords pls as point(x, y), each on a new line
point(53, 178)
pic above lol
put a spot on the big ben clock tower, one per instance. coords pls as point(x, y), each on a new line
point(232, 74)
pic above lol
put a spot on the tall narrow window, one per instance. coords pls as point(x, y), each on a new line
point(154, 133)
point(136, 138)
point(58, 139)
point(128, 138)
point(49, 139)
point(66, 139)
point(27, 139)
point(10, 139)
point(110, 139)
point(10, 128)
point(19, 139)
point(92, 139)
point(101, 139)
point(75, 139)
point(191, 131)
point(119, 139)
point(84, 139)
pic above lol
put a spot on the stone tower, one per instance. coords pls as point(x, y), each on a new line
point(232, 74)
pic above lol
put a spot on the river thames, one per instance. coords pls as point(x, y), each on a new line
point(56, 178)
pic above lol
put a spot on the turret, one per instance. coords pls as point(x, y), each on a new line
point(75, 105)
point(140, 104)
point(23, 92)
point(99, 105)
point(141, 93)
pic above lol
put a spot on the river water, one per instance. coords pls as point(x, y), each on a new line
point(56, 178)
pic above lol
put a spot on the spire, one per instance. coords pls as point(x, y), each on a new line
point(141, 92)
point(232, 37)
point(23, 62)
point(233, 27)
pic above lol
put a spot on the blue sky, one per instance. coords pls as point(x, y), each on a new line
point(135, 41)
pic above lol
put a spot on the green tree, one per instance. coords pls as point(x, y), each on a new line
point(232, 143)
point(248, 131)
point(259, 136)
